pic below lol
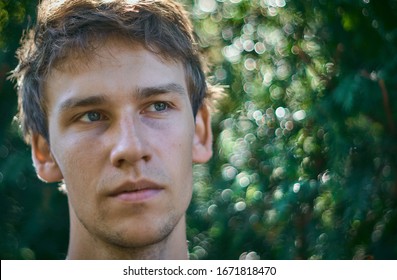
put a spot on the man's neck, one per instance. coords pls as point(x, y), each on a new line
point(151, 252)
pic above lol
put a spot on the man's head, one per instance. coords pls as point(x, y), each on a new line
point(112, 101)
point(76, 28)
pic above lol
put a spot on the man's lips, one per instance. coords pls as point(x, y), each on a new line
point(137, 191)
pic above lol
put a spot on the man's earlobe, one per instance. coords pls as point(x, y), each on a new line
point(44, 162)
point(202, 145)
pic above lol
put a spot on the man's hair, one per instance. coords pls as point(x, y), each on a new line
point(75, 28)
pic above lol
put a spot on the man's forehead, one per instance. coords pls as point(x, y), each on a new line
point(75, 59)
point(142, 71)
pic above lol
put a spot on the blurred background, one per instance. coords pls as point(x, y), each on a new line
point(305, 162)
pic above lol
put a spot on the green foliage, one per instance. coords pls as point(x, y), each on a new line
point(33, 215)
point(305, 157)
point(306, 162)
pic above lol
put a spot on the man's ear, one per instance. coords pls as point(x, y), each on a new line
point(44, 162)
point(202, 143)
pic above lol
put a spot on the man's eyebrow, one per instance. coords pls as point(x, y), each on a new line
point(75, 102)
point(141, 93)
point(147, 92)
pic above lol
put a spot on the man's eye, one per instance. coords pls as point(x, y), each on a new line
point(158, 107)
point(92, 116)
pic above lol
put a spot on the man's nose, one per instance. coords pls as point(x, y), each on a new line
point(130, 145)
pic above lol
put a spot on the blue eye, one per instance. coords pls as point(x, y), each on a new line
point(160, 106)
point(92, 116)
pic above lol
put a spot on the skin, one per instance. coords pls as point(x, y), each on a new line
point(123, 139)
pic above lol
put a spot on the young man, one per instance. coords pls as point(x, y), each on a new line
point(112, 100)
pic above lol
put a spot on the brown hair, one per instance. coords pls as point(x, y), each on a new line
point(72, 27)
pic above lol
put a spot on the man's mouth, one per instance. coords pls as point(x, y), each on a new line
point(138, 191)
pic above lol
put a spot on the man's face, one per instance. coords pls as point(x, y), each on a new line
point(123, 138)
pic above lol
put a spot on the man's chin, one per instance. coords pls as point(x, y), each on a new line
point(140, 237)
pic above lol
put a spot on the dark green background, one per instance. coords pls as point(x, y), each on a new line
point(305, 138)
